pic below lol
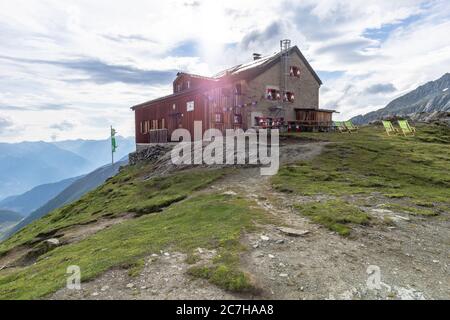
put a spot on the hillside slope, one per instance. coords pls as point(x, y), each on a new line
point(72, 193)
point(430, 97)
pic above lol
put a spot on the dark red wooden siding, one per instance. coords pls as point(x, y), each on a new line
point(210, 99)
point(173, 118)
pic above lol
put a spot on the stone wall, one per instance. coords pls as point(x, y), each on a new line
point(150, 153)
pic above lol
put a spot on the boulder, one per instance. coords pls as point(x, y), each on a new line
point(294, 232)
point(52, 243)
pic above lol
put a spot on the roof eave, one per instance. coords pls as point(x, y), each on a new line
point(257, 71)
point(173, 95)
point(321, 110)
point(308, 65)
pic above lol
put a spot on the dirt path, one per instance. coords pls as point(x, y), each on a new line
point(162, 278)
point(412, 255)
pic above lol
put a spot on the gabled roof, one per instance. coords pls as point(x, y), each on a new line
point(172, 95)
point(256, 67)
point(196, 76)
point(247, 66)
point(247, 70)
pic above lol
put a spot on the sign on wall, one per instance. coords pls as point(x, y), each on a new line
point(190, 106)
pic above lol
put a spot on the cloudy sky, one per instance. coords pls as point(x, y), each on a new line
point(70, 69)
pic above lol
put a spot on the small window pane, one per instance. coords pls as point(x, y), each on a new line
point(190, 106)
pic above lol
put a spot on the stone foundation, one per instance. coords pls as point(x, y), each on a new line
point(148, 153)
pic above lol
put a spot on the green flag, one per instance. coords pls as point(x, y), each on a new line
point(113, 140)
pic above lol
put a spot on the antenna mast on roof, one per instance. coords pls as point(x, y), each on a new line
point(285, 46)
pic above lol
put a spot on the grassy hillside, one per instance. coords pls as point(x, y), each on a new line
point(126, 192)
point(179, 212)
point(72, 192)
point(414, 170)
point(207, 221)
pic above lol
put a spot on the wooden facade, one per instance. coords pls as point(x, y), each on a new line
point(171, 113)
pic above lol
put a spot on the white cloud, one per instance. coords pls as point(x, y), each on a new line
point(5, 124)
point(62, 126)
point(97, 52)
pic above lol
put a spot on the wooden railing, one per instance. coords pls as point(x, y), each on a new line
point(312, 123)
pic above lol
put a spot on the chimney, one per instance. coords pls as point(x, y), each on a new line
point(256, 56)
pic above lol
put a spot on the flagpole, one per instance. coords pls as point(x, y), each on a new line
point(112, 148)
point(113, 144)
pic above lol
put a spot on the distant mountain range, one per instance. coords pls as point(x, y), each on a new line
point(98, 152)
point(74, 191)
point(430, 97)
point(26, 165)
point(38, 177)
point(36, 197)
point(9, 216)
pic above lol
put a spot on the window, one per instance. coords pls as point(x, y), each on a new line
point(178, 87)
point(237, 119)
point(145, 127)
point(295, 72)
point(289, 97)
point(154, 124)
point(188, 84)
point(163, 123)
point(273, 94)
point(218, 118)
point(190, 106)
point(174, 106)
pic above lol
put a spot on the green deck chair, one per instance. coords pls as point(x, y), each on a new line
point(340, 126)
point(406, 129)
point(413, 129)
point(350, 126)
point(389, 128)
